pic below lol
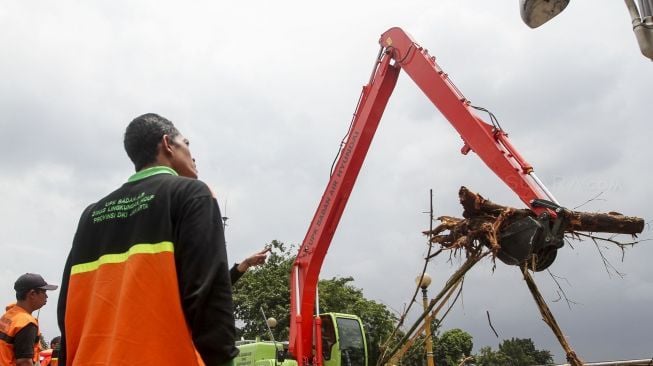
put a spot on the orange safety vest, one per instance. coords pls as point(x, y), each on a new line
point(15, 319)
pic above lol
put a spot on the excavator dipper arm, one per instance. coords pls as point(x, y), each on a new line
point(490, 143)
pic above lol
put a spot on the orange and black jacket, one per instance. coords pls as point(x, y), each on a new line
point(147, 279)
point(15, 320)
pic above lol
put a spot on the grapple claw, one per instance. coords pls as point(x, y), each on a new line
point(531, 242)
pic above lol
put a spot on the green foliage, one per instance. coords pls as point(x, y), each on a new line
point(455, 344)
point(514, 352)
point(339, 295)
point(416, 353)
point(267, 287)
point(452, 346)
point(487, 357)
point(523, 352)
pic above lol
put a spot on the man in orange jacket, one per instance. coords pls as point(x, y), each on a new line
point(148, 265)
point(19, 330)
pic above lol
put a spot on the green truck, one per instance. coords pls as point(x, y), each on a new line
point(343, 344)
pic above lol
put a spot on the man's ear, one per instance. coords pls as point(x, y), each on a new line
point(166, 143)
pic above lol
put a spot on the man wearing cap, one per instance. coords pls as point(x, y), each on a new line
point(19, 330)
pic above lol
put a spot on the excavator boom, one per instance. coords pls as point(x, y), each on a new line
point(398, 51)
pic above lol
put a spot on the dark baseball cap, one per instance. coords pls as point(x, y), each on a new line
point(31, 281)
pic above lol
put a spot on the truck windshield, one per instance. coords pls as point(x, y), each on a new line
point(352, 344)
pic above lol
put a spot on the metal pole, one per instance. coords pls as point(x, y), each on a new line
point(430, 361)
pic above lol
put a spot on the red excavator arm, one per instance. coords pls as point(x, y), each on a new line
point(489, 142)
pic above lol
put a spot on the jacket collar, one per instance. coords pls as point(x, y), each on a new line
point(145, 173)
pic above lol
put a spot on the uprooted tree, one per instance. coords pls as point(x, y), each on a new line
point(489, 229)
point(483, 221)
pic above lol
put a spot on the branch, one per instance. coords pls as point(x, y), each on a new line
point(464, 360)
point(564, 294)
point(548, 318)
point(490, 322)
point(595, 198)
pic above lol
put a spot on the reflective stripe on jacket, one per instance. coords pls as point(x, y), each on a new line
point(126, 305)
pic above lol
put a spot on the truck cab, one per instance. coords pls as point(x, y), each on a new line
point(343, 340)
point(343, 344)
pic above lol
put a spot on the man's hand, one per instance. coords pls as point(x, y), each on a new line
point(255, 259)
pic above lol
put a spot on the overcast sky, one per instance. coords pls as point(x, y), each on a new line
point(265, 92)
